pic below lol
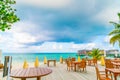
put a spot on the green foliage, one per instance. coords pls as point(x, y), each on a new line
point(95, 53)
point(7, 14)
point(116, 32)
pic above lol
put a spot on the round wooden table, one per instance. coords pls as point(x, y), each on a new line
point(30, 73)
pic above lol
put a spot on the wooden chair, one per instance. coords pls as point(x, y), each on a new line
point(1, 66)
point(108, 63)
point(94, 61)
point(82, 65)
point(73, 59)
point(101, 74)
point(69, 65)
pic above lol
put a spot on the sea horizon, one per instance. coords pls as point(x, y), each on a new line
point(30, 57)
point(37, 52)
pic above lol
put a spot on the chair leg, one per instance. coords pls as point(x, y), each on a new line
point(97, 78)
point(80, 70)
point(83, 69)
point(69, 68)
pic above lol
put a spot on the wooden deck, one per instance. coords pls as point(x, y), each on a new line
point(60, 73)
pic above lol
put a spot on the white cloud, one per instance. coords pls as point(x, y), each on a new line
point(22, 33)
point(55, 47)
point(10, 44)
point(26, 32)
point(84, 46)
point(106, 15)
point(60, 47)
point(24, 38)
point(107, 39)
point(45, 3)
point(101, 42)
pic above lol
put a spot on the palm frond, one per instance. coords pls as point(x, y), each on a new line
point(114, 39)
point(95, 53)
point(115, 31)
point(117, 25)
point(119, 43)
point(119, 15)
point(114, 23)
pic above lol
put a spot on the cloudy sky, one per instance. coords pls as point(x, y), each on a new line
point(61, 26)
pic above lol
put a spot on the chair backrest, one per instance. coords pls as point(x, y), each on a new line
point(68, 63)
point(73, 59)
point(95, 61)
point(82, 64)
point(99, 77)
point(108, 63)
point(97, 72)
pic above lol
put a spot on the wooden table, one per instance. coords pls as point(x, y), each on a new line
point(116, 61)
point(30, 73)
point(51, 60)
point(90, 61)
point(75, 65)
point(114, 71)
point(117, 65)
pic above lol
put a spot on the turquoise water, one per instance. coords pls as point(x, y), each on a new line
point(30, 57)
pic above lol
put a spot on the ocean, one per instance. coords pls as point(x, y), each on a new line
point(30, 57)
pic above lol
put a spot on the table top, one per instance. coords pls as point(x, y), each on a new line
point(117, 64)
point(30, 72)
point(76, 62)
point(51, 60)
point(113, 70)
point(115, 60)
point(89, 59)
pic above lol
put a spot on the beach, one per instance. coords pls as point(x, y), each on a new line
point(59, 72)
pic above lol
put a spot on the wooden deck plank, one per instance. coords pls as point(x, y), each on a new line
point(60, 73)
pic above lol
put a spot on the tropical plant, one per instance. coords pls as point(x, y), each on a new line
point(95, 53)
point(7, 14)
point(115, 33)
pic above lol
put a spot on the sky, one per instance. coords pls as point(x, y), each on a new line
point(61, 26)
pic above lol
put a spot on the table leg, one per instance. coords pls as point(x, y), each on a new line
point(23, 78)
point(89, 63)
point(115, 76)
point(75, 67)
point(106, 72)
point(54, 63)
point(48, 63)
point(38, 78)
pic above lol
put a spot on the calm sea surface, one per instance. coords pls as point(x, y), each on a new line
point(30, 57)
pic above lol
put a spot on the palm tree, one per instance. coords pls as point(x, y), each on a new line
point(95, 53)
point(116, 32)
